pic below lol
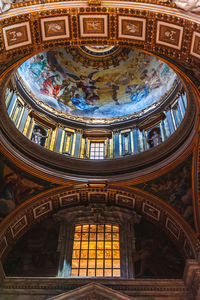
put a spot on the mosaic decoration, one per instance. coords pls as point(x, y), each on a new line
point(17, 35)
point(176, 189)
point(62, 84)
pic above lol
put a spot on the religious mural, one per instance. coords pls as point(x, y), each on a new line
point(63, 84)
point(35, 254)
point(175, 188)
point(16, 187)
point(155, 255)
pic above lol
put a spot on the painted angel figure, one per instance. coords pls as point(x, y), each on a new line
point(5, 5)
point(87, 84)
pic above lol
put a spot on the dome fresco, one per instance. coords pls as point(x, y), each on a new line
point(59, 83)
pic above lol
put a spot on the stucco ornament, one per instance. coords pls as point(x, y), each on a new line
point(188, 5)
point(5, 5)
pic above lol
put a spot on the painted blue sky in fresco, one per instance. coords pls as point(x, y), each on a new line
point(65, 85)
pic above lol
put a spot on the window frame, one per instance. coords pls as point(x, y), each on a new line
point(96, 239)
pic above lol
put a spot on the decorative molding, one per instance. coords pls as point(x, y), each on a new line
point(195, 46)
point(17, 35)
point(131, 28)
point(151, 211)
point(19, 225)
point(93, 25)
point(98, 196)
point(91, 290)
point(66, 200)
point(169, 35)
point(102, 24)
point(55, 28)
point(173, 228)
point(42, 209)
point(3, 244)
point(125, 200)
point(188, 248)
point(50, 202)
point(134, 288)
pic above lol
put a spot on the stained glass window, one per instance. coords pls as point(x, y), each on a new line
point(96, 251)
point(97, 150)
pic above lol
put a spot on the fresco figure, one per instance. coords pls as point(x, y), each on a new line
point(153, 79)
point(52, 86)
point(124, 78)
point(115, 88)
point(52, 61)
point(54, 78)
point(13, 191)
point(37, 65)
point(137, 92)
point(87, 84)
point(66, 95)
point(175, 189)
point(81, 103)
point(7, 194)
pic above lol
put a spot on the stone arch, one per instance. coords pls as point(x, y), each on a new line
point(150, 207)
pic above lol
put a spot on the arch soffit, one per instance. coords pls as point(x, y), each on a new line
point(150, 207)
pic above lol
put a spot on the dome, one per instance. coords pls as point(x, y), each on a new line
point(58, 81)
point(75, 108)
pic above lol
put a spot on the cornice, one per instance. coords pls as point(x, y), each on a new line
point(137, 285)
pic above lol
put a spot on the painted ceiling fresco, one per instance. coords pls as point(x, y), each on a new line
point(175, 188)
point(60, 83)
